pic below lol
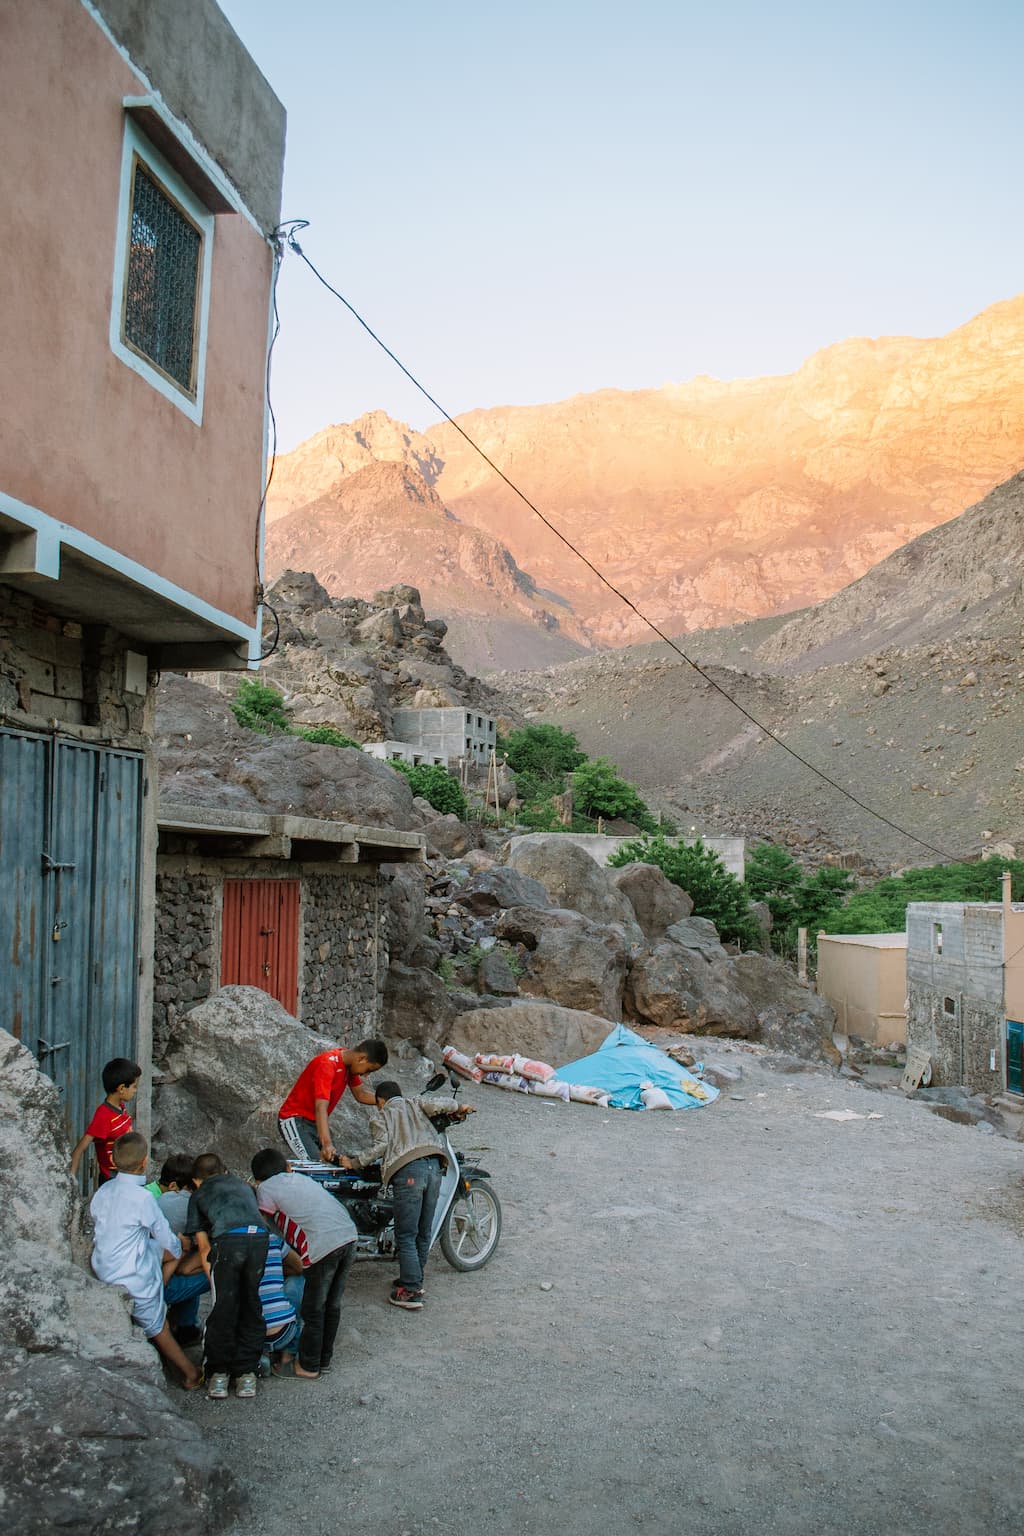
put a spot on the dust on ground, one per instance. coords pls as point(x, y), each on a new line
point(758, 1321)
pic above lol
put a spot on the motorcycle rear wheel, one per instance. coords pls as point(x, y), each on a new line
point(472, 1228)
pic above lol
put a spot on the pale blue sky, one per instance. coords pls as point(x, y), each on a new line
point(530, 200)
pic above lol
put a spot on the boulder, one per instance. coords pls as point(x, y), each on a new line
point(791, 1017)
point(83, 1407)
point(477, 861)
point(572, 879)
point(698, 933)
point(406, 911)
point(229, 1064)
point(448, 837)
point(656, 902)
point(568, 959)
point(679, 987)
point(384, 628)
point(498, 888)
point(496, 975)
point(541, 1030)
point(417, 1005)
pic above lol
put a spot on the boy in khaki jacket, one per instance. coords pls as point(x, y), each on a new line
point(413, 1161)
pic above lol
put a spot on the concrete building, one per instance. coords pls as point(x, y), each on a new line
point(965, 991)
point(402, 752)
point(290, 904)
point(141, 167)
point(864, 977)
point(449, 733)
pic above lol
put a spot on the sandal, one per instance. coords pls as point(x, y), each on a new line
point(195, 1385)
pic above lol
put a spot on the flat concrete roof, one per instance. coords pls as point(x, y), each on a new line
point(874, 940)
point(270, 836)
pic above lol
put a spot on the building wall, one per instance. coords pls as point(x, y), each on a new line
point(452, 733)
point(90, 443)
point(955, 992)
point(343, 953)
point(866, 984)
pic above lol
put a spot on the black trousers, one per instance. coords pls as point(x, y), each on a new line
point(235, 1330)
point(321, 1306)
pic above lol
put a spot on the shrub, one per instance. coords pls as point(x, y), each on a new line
point(882, 908)
point(433, 783)
point(545, 752)
point(598, 790)
point(259, 707)
point(326, 736)
point(716, 894)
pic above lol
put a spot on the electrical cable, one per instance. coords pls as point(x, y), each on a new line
point(289, 235)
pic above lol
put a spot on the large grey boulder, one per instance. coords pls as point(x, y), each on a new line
point(83, 1408)
point(418, 1007)
point(568, 959)
point(406, 886)
point(229, 1064)
point(680, 987)
point(572, 879)
point(791, 1017)
point(656, 902)
point(540, 1030)
point(497, 888)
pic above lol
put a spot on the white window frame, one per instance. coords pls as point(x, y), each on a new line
point(138, 147)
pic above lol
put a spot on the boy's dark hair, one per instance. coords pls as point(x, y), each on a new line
point(376, 1050)
point(119, 1071)
point(177, 1170)
point(207, 1165)
point(129, 1150)
point(268, 1163)
point(387, 1090)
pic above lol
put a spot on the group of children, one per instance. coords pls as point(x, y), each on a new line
point(275, 1252)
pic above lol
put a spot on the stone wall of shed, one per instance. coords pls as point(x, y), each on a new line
point(343, 955)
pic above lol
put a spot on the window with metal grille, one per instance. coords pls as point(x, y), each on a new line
point(161, 290)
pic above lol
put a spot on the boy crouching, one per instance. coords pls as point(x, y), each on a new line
point(232, 1237)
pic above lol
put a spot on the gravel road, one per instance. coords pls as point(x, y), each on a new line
point(758, 1321)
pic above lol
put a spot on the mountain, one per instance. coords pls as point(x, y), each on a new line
point(373, 524)
point(904, 688)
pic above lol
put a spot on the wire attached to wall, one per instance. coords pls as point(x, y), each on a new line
point(288, 233)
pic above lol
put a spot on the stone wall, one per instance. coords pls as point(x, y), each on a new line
point(343, 948)
point(955, 991)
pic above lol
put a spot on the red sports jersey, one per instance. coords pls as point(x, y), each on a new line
point(326, 1077)
point(107, 1126)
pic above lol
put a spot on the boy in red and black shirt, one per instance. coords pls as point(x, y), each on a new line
point(111, 1120)
point(302, 1118)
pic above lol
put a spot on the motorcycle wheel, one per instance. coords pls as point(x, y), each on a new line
point(470, 1233)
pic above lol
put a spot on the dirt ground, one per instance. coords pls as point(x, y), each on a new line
point(758, 1321)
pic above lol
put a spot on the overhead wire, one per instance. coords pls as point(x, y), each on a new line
point(288, 233)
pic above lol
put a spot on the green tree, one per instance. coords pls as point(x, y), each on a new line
point(882, 907)
point(433, 783)
point(820, 895)
point(259, 707)
point(326, 736)
point(715, 892)
point(774, 877)
point(599, 790)
point(545, 752)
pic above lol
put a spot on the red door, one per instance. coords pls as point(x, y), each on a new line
point(260, 943)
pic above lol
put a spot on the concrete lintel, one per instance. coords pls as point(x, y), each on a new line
point(201, 657)
point(34, 554)
point(274, 847)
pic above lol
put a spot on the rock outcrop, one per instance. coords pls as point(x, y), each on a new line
point(573, 879)
point(656, 902)
point(539, 1030)
point(83, 1408)
point(567, 959)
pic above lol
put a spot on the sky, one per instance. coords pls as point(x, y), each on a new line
point(531, 200)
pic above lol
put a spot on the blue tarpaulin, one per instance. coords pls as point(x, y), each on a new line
point(624, 1061)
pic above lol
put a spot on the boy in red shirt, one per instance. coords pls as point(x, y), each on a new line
point(302, 1118)
point(111, 1120)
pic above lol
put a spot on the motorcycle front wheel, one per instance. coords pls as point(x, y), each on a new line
point(472, 1227)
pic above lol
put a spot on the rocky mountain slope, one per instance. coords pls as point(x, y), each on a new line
point(905, 688)
point(708, 502)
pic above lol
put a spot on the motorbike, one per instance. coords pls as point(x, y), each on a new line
point(467, 1219)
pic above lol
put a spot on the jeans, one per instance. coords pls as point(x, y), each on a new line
point(321, 1306)
point(414, 1191)
point(182, 1293)
point(235, 1330)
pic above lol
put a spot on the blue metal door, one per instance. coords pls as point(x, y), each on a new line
point(70, 851)
point(1014, 1056)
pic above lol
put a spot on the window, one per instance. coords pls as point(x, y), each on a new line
point(949, 1007)
point(937, 938)
point(161, 276)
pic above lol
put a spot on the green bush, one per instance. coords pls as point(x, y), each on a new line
point(326, 736)
point(599, 790)
point(259, 707)
point(882, 908)
point(716, 894)
point(432, 782)
point(545, 752)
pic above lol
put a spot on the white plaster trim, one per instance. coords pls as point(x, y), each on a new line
point(54, 534)
point(136, 145)
point(179, 128)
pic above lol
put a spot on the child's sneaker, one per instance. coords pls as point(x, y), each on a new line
point(245, 1385)
point(400, 1297)
point(217, 1386)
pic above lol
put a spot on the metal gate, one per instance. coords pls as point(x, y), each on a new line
point(70, 855)
point(260, 938)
